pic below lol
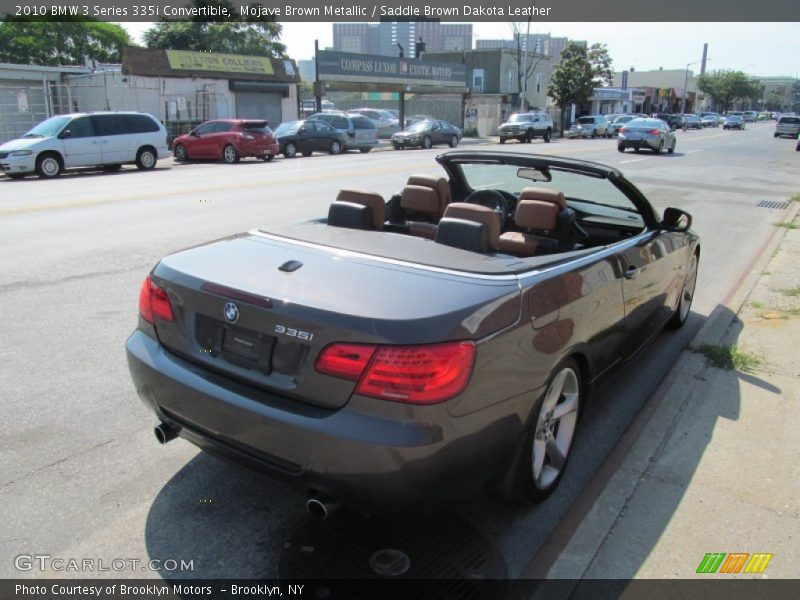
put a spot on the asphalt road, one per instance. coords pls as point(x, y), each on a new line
point(82, 475)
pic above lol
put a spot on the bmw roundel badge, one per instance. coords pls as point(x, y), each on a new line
point(231, 312)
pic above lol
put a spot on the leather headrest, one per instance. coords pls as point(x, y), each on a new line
point(440, 184)
point(371, 199)
point(543, 195)
point(420, 199)
point(535, 214)
point(481, 214)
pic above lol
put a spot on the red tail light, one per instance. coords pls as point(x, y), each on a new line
point(153, 302)
point(413, 374)
point(347, 361)
point(623, 129)
point(653, 132)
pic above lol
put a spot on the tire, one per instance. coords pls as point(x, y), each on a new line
point(594, 133)
point(307, 153)
point(268, 157)
point(621, 147)
point(528, 136)
point(49, 166)
point(396, 146)
point(502, 140)
point(180, 153)
point(687, 295)
point(290, 150)
point(336, 147)
point(777, 135)
point(426, 143)
point(146, 159)
point(548, 135)
point(660, 148)
point(637, 149)
point(454, 141)
point(549, 441)
point(229, 154)
point(671, 150)
point(366, 150)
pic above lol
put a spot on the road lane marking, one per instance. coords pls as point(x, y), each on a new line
point(623, 162)
point(692, 151)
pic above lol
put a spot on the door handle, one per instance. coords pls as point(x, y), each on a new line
point(631, 272)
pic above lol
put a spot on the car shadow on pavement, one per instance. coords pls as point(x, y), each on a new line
point(84, 173)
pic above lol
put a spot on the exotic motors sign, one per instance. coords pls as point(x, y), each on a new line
point(367, 68)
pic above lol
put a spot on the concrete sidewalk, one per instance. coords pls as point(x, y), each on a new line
point(712, 464)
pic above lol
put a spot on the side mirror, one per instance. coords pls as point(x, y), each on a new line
point(301, 130)
point(65, 134)
point(194, 134)
point(676, 219)
point(352, 134)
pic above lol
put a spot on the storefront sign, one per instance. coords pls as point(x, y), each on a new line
point(184, 60)
point(368, 68)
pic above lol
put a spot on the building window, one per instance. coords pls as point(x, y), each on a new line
point(510, 81)
point(477, 80)
point(538, 83)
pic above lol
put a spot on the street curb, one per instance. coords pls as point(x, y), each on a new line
point(713, 331)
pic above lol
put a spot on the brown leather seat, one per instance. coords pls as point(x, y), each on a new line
point(374, 201)
point(479, 214)
point(537, 209)
point(426, 195)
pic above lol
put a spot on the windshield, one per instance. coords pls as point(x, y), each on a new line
point(623, 119)
point(594, 195)
point(519, 118)
point(586, 120)
point(50, 127)
point(421, 126)
point(290, 127)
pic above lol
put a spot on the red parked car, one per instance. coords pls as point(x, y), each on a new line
point(228, 139)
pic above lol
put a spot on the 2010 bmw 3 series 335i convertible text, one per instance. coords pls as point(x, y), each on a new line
point(399, 354)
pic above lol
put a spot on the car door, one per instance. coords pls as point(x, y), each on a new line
point(200, 144)
point(82, 147)
point(112, 133)
point(651, 268)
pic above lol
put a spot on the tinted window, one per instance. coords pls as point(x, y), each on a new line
point(257, 126)
point(324, 127)
point(109, 124)
point(363, 123)
point(790, 120)
point(221, 127)
point(205, 128)
point(140, 124)
point(80, 128)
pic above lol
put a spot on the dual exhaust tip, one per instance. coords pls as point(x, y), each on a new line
point(320, 506)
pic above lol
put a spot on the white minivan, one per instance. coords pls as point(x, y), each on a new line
point(100, 139)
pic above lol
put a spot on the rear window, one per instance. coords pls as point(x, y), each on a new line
point(586, 120)
point(789, 120)
point(140, 124)
point(363, 123)
point(257, 126)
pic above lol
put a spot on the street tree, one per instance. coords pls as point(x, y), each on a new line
point(527, 59)
point(251, 35)
point(725, 87)
point(42, 41)
point(602, 65)
point(572, 79)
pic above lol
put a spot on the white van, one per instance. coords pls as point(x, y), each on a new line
point(101, 139)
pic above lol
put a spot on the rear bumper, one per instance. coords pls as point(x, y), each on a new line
point(383, 463)
point(638, 144)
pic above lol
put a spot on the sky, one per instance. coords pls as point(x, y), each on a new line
point(760, 49)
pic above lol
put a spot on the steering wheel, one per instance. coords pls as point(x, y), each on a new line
point(490, 199)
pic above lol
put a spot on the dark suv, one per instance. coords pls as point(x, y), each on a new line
point(526, 126)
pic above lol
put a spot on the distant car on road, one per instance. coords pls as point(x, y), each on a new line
point(750, 116)
point(652, 134)
point(525, 127)
point(386, 123)
point(787, 126)
point(693, 121)
point(426, 134)
point(228, 140)
point(361, 132)
point(590, 126)
point(674, 121)
point(710, 120)
point(734, 122)
point(309, 136)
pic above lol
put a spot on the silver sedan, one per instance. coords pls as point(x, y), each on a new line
point(653, 134)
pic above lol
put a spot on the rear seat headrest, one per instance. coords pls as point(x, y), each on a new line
point(420, 199)
point(465, 234)
point(350, 215)
point(440, 184)
point(374, 201)
point(534, 214)
point(543, 195)
point(481, 214)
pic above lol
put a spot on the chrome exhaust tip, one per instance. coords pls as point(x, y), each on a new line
point(164, 433)
point(321, 507)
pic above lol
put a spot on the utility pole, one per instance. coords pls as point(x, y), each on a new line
point(524, 101)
